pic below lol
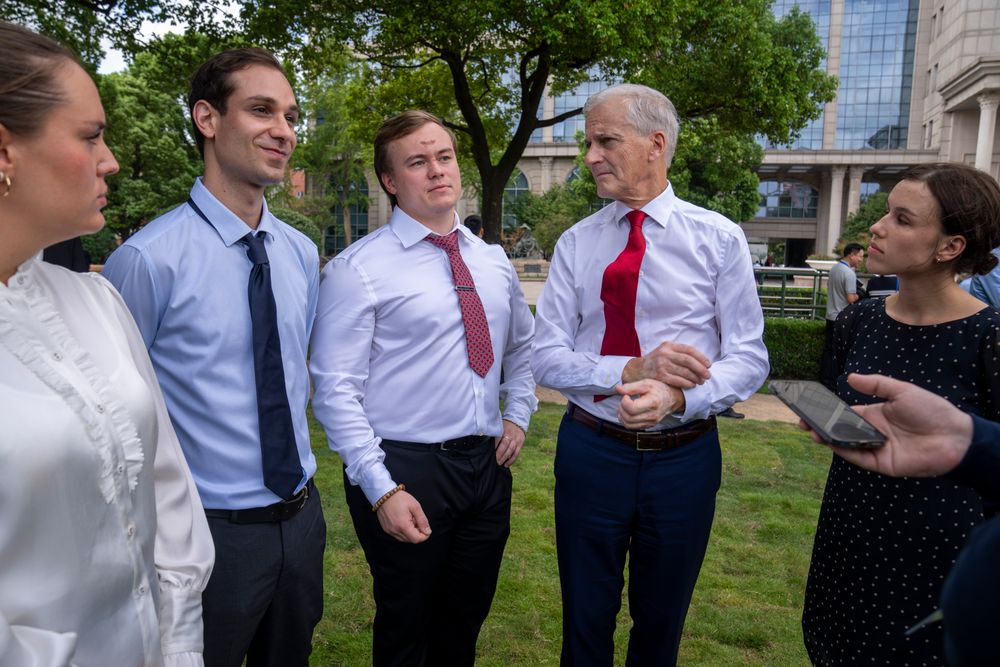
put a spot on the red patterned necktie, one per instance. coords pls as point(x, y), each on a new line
point(618, 289)
point(477, 329)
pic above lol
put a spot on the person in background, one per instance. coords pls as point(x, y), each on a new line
point(69, 254)
point(650, 325)
point(104, 548)
point(475, 224)
point(926, 436)
point(882, 286)
point(224, 294)
point(884, 545)
point(841, 291)
point(987, 288)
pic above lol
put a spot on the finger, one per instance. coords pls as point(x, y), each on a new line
point(420, 521)
point(692, 352)
point(689, 367)
point(515, 453)
point(681, 382)
point(875, 385)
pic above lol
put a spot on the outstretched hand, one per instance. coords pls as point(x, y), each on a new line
point(925, 434)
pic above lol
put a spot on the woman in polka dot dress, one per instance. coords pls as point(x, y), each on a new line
point(884, 546)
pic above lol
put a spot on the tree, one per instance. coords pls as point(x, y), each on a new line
point(501, 56)
point(551, 213)
point(81, 24)
point(856, 226)
point(149, 131)
point(333, 145)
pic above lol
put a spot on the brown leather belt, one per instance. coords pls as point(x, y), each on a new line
point(643, 441)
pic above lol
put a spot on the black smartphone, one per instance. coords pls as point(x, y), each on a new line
point(826, 414)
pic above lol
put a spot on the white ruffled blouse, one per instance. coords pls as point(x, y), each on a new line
point(104, 546)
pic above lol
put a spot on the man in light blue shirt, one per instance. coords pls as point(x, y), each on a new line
point(186, 278)
point(987, 288)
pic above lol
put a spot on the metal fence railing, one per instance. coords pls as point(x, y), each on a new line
point(786, 292)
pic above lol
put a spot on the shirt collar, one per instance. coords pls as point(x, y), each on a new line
point(410, 232)
point(658, 209)
point(226, 223)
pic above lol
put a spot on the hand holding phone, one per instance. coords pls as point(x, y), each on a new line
point(826, 414)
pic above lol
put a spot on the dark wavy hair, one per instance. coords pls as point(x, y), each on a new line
point(969, 201)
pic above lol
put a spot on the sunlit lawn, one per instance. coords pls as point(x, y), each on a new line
point(746, 607)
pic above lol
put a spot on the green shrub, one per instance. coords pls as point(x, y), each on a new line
point(794, 346)
point(299, 222)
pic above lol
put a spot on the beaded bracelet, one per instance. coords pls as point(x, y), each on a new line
point(388, 494)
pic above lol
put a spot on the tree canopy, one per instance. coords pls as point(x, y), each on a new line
point(733, 70)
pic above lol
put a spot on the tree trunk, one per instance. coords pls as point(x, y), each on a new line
point(491, 209)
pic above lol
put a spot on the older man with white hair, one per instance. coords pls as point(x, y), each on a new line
point(651, 304)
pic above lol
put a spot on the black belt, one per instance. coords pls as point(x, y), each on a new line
point(464, 444)
point(643, 441)
point(279, 511)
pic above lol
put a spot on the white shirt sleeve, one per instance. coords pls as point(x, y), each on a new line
point(554, 360)
point(184, 552)
point(341, 347)
point(518, 388)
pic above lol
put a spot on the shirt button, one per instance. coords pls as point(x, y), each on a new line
point(120, 469)
point(57, 356)
point(20, 280)
point(130, 531)
point(139, 592)
point(100, 408)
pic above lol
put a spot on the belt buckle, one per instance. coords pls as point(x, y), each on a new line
point(639, 438)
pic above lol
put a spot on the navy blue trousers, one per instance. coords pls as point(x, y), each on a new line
point(656, 508)
point(265, 595)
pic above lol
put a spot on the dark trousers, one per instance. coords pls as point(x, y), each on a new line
point(431, 598)
point(828, 362)
point(657, 508)
point(265, 595)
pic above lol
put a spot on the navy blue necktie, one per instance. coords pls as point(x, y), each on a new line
point(282, 471)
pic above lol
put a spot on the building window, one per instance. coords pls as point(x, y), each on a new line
point(517, 186)
point(787, 199)
point(876, 74)
point(334, 237)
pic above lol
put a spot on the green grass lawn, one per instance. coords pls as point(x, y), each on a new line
point(749, 596)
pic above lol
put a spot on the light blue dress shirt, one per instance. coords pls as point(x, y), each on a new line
point(987, 288)
point(389, 354)
point(185, 281)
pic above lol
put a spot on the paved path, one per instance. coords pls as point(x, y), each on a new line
point(763, 407)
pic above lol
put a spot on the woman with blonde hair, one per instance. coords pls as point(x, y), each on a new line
point(104, 546)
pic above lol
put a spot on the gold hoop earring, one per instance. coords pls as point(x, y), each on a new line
point(5, 179)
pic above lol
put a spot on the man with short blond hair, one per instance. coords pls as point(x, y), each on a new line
point(415, 323)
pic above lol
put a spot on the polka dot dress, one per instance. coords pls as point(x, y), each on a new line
point(884, 546)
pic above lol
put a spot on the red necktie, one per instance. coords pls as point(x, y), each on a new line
point(477, 329)
point(618, 289)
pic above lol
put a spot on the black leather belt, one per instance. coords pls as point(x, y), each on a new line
point(463, 444)
point(643, 441)
point(279, 511)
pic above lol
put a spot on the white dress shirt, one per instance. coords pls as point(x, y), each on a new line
point(696, 286)
point(389, 357)
point(104, 546)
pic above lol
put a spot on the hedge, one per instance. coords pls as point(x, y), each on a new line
point(299, 222)
point(794, 347)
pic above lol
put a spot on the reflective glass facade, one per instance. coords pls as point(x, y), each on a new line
point(811, 136)
point(876, 73)
point(787, 199)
